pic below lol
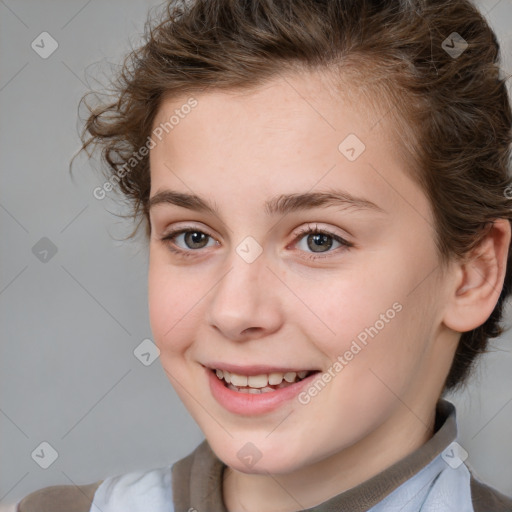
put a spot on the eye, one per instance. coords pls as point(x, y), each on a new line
point(187, 240)
point(315, 240)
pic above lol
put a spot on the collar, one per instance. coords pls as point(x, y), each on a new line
point(197, 478)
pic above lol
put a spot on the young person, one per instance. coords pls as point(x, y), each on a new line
point(324, 187)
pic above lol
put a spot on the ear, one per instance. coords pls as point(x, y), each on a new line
point(479, 280)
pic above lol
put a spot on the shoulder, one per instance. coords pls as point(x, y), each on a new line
point(135, 491)
point(59, 498)
point(129, 492)
point(487, 499)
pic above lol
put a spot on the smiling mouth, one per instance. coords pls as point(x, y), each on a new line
point(263, 383)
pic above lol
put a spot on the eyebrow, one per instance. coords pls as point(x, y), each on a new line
point(279, 205)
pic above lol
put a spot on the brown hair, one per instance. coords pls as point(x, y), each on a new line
point(452, 107)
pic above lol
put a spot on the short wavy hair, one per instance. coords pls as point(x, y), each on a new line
point(436, 63)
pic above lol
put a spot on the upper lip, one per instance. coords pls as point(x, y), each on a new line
point(257, 369)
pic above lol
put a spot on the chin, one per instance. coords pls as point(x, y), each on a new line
point(272, 465)
point(254, 458)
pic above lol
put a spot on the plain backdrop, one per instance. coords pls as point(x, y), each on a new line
point(73, 303)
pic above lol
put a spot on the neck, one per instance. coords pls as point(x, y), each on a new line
point(316, 483)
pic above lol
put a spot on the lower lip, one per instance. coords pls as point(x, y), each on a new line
point(252, 404)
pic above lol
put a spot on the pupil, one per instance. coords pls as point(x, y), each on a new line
point(195, 238)
point(319, 242)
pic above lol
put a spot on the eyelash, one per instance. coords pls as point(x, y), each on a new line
point(167, 239)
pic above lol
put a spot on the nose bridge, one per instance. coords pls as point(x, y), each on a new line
point(241, 287)
point(243, 298)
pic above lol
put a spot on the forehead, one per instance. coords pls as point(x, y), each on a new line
point(317, 97)
point(297, 131)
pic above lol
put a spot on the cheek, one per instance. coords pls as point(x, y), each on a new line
point(372, 315)
point(347, 305)
point(173, 297)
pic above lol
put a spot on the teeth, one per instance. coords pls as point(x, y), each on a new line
point(251, 391)
point(290, 376)
point(275, 378)
point(258, 382)
point(238, 380)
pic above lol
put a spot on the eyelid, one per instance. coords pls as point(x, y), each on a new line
point(314, 228)
point(178, 228)
point(297, 237)
point(169, 234)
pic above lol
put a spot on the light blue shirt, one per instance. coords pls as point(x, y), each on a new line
point(437, 487)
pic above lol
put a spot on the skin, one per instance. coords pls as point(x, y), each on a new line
point(238, 150)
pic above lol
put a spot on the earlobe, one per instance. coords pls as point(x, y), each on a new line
point(480, 280)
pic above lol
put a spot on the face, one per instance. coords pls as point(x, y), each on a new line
point(287, 236)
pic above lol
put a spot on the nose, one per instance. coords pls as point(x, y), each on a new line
point(245, 303)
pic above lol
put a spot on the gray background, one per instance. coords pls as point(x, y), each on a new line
point(70, 324)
